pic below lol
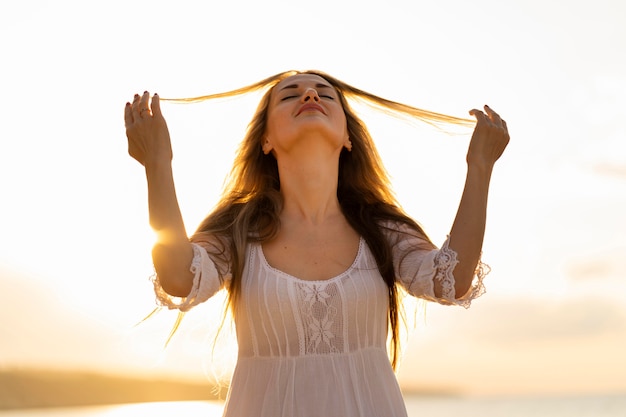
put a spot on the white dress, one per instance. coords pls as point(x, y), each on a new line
point(318, 348)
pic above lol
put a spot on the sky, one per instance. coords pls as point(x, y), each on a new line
point(74, 236)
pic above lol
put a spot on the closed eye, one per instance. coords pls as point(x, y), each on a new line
point(321, 95)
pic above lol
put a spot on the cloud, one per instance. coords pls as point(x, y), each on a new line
point(608, 265)
point(513, 322)
point(611, 170)
point(519, 345)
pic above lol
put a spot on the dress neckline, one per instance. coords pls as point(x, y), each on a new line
point(283, 274)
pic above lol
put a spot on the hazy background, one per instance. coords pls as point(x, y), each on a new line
point(74, 236)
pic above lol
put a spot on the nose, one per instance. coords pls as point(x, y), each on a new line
point(310, 94)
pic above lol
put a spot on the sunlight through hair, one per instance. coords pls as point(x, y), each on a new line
point(248, 210)
point(393, 108)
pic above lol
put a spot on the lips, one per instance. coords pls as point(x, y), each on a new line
point(311, 107)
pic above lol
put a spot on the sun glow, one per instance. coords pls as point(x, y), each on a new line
point(74, 235)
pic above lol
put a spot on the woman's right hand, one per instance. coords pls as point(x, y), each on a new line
point(146, 130)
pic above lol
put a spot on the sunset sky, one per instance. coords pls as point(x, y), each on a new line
point(74, 236)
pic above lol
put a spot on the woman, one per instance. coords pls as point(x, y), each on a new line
point(312, 247)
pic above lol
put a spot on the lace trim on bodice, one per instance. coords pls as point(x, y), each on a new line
point(290, 277)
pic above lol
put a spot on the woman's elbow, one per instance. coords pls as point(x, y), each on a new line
point(461, 291)
point(173, 269)
point(462, 282)
point(174, 286)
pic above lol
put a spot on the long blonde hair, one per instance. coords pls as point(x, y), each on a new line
point(249, 208)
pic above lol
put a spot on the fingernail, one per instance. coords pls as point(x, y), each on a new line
point(155, 94)
point(145, 92)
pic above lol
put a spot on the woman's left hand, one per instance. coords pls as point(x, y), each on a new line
point(490, 138)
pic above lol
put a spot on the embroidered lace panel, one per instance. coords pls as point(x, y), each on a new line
point(320, 308)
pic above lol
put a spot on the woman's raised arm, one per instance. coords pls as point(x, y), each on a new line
point(149, 143)
point(488, 142)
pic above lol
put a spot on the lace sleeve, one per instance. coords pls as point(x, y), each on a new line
point(206, 283)
point(418, 268)
point(444, 261)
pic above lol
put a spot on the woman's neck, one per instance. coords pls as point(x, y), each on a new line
point(309, 189)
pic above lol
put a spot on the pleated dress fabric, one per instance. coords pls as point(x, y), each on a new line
point(318, 348)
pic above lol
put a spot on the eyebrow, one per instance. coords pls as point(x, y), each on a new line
point(293, 86)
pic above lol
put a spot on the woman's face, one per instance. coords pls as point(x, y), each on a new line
point(304, 107)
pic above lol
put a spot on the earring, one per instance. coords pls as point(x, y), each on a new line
point(266, 146)
point(348, 145)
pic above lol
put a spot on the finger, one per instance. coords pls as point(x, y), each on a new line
point(144, 105)
point(481, 118)
point(493, 116)
point(128, 115)
point(135, 106)
point(156, 105)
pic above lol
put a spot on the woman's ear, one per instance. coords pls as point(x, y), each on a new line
point(267, 146)
point(348, 144)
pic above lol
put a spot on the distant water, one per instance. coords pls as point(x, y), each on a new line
point(594, 406)
point(584, 406)
point(164, 409)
